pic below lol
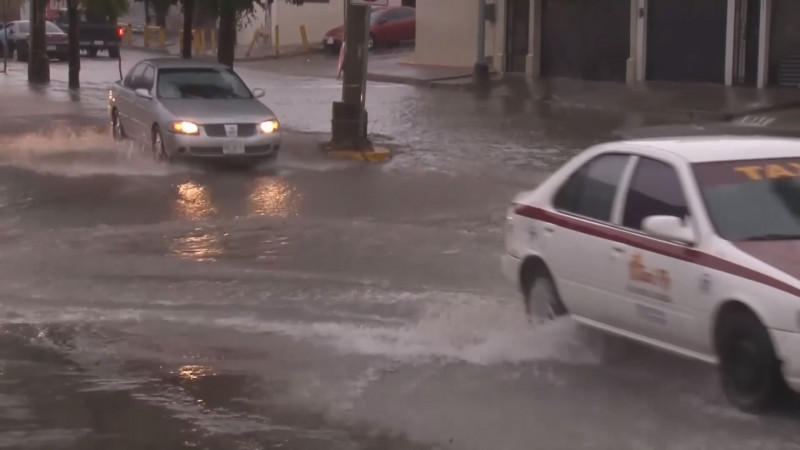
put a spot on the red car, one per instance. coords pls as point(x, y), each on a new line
point(391, 25)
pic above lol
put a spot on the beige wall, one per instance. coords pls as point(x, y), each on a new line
point(317, 17)
point(447, 31)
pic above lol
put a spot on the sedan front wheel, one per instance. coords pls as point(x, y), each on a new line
point(160, 153)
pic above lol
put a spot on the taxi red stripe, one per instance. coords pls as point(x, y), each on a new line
point(651, 245)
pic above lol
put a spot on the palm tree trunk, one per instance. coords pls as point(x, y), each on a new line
point(226, 52)
point(188, 17)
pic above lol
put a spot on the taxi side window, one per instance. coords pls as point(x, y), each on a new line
point(655, 190)
point(591, 190)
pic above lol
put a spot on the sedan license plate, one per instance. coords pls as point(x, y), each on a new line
point(98, 42)
point(330, 41)
point(233, 148)
point(51, 47)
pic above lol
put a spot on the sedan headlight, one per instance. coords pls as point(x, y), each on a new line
point(185, 127)
point(269, 126)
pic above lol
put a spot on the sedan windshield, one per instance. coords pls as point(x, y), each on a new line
point(201, 83)
point(752, 200)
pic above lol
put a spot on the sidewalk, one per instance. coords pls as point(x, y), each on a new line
point(260, 51)
point(686, 100)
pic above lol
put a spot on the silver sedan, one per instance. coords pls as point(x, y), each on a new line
point(184, 108)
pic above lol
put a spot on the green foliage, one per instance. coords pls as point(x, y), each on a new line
point(162, 6)
point(111, 9)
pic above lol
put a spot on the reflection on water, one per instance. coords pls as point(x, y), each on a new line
point(200, 248)
point(272, 196)
point(194, 372)
point(194, 202)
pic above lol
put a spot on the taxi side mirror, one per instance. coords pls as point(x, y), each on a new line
point(669, 228)
point(258, 93)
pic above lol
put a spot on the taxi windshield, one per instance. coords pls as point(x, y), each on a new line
point(752, 200)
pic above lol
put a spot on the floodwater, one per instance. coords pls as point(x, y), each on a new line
point(314, 304)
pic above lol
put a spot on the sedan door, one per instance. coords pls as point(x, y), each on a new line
point(658, 280)
point(143, 110)
point(576, 243)
point(126, 101)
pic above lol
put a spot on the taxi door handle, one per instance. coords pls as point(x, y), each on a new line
point(549, 229)
point(617, 251)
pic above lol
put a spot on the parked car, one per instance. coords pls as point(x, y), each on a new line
point(686, 244)
point(18, 41)
point(94, 33)
point(392, 25)
point(190, 109)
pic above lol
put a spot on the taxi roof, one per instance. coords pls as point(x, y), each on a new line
point(700, 149)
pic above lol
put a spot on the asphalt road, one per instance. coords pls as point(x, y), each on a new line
point(315, 304)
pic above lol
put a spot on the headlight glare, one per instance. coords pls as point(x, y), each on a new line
point(269, 126)
point(185, 127)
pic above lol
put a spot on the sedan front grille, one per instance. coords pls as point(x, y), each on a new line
point(218, 130)
point(206, 150)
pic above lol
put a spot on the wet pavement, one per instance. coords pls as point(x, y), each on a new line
point(314, 304)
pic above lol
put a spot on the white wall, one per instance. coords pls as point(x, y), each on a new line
point(447, 31)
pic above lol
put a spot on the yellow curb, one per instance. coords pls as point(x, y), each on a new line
point(376, 155)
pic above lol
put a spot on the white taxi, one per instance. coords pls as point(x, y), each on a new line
point(689, 244)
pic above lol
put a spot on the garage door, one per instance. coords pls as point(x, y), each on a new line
point(686, 40)
point(585, 39)
point(784, 47)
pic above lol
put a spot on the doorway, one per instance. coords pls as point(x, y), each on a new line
point(517, 34)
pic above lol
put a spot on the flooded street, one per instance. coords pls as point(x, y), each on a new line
point(316, 304)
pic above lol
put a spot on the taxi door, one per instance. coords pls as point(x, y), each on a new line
point(656, 278)
point(576, 247)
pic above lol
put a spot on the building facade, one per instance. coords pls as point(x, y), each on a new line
point(733, 42)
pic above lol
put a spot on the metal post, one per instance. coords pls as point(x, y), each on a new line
point(480, 74)
point(5, 37)
point(349, 116)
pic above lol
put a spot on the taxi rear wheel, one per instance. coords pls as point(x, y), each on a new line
point(750, 370)
point(542, 302)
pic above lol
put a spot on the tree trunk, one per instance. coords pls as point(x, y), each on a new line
point(74, 45)
point(188, 17)
point(226, 52)
point(38, 64)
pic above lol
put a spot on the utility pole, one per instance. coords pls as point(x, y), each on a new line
point(5, 37)
point(349, 125)
point(38, 64)
point(480, 73)
point(74, 45)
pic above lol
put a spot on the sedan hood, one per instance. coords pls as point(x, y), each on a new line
point(219, 111)
point(782, 255)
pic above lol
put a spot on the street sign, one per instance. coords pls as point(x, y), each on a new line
point(370, 2)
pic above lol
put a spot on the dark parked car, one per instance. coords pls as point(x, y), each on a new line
point(18, 40)
point(94, 33)
point(391, 25)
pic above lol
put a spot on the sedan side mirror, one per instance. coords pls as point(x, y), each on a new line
point(669, 228)
point(143, 93)
point(258, 93)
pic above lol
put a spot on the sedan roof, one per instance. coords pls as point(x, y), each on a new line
point(699, 149)
point(180, 63)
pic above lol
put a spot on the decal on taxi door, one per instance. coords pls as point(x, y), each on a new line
point(652, 283)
